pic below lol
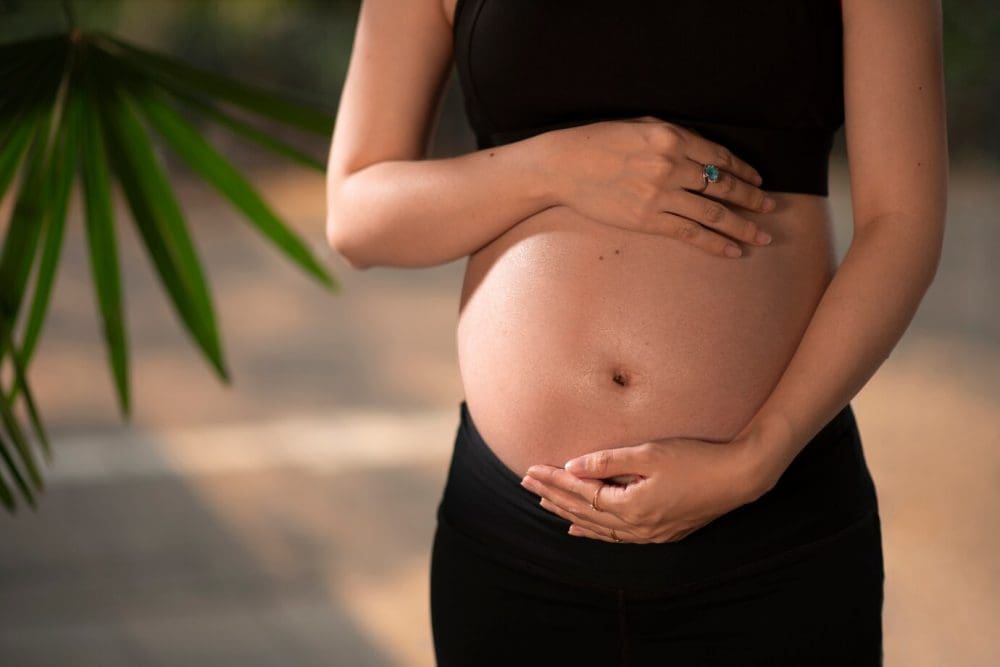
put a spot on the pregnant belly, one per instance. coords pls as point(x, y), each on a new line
point(575, 336)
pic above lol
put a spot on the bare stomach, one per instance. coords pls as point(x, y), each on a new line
point(575, 336)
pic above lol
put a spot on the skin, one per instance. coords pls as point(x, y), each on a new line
point(593, 328)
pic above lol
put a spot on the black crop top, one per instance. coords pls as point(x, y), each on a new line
point(764, 78)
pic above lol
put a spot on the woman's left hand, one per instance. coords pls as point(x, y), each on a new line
point(657, 491)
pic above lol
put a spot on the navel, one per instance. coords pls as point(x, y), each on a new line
point(620, 378)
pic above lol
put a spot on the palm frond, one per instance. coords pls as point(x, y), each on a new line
point(100, 227)
point(174, 74)
point(82, 105)
point(218, 171)
point(160, 221)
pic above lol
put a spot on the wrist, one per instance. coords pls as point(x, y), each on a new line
point(550, 178)
point(762, 454)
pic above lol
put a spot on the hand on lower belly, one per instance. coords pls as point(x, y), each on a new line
point(657, 491)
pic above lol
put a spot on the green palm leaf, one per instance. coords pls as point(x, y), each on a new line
point(175, 74)
point(160, 221)
point(101, 238)
point(15, 141)
point(249, 131)
point(21, 382)
point(23, 448)
point(15, 260)
point(21, 240)
point(218, 171)
point(79, 105)
point(59, 165)
point(14, 471)
point(20, 114)
point(62, 169)
point(26, 121)
point(140, 82)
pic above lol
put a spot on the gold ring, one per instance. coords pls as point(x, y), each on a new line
point(593, 502)
point(614, 536)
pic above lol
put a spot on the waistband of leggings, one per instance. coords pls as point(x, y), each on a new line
point(826, 488)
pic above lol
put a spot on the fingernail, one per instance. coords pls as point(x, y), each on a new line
point(762, 237)
point(768, 204)
point(733, 251)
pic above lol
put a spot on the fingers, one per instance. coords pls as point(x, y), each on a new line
point(572, 507)
point(716, 215)
point(605, 535)
point(568, 484)
point(578, 493)
point(596, 530)
point(703, 151)
point(738, 182)
point(728, 187)
point(579, 531)
point(606, 462)
point(690, 232)
point(599, 529)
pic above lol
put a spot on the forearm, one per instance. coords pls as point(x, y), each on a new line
point(415, 213)
point(863, 313)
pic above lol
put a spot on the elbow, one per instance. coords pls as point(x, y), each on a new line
point(338, 237)
point(934, 263)
point(342, 245)
point(933, 249)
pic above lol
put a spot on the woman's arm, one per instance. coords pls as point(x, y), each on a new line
point(386, 205)
point(895, 121)
point(896, 139)
point(897, 147)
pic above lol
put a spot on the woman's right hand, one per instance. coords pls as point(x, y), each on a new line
point(645, 175)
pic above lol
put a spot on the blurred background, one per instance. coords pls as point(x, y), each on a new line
point(287, 518)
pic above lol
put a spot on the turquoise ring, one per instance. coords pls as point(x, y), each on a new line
point(710, 173)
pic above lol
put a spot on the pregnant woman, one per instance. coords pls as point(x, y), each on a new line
point(656, 459)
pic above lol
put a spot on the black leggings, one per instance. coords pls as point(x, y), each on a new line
point(793, 578)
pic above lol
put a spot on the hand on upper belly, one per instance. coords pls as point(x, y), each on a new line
point(663, 490)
